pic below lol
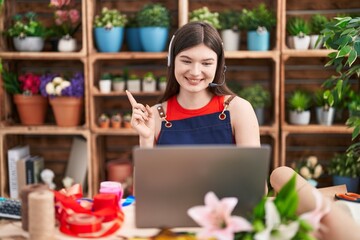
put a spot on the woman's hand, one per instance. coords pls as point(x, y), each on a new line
point(142, 120)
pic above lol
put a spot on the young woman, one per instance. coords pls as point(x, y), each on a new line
point(197, 106)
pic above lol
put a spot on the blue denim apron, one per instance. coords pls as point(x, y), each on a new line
point(214, 128)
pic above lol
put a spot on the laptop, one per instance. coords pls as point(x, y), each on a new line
point(168, 180)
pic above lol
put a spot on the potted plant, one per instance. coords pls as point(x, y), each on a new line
point(116, 120)
point(205, 15)
point(118, 83)
point(259, 21)
point(345, 169)
point(299, 103)
point(28, 33)
point(133, 83)
point(230, 26)
point(259, 98)
point(162, 83)
point(317, 24)
point(66, 97)
point(310, 169)
point(67, 22)
point(298, 30)
point(30, 105)
point(104, 121)
point(105, 83)
point(132, 35)
point(149, 82)
point(325, 111)
point(109, 30)
point(127, 120)
point(154, 23)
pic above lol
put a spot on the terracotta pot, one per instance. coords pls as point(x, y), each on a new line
point(119, 170)
point(104, 124)
point(67, 110)
point(32, 109)
point(115, 124)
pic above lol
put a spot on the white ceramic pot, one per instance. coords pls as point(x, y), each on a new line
point(299, 118)
point(313, 40)
point(105, 85)
point(149, 86)
point(67, 44)
point(134, 85)
point(28, 44)
point(301, 43)
point(231, 39)
point(162, 86)
point(118, 86)
point(325, 117)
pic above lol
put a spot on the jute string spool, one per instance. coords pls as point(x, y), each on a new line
point(24, 194)
point(41, 215)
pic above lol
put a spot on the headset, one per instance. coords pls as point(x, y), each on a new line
point(169, 63)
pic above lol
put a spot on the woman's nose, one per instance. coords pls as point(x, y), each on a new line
point(195, 69)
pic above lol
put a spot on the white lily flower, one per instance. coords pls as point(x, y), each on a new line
point(65, 84)
point(57, 80)
point(318, 171)
point(58, 90)
point(274, 229)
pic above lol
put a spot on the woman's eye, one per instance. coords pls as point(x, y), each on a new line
point(186, 61)
point(207, 63)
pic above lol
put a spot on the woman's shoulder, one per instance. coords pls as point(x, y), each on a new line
point(236, 101)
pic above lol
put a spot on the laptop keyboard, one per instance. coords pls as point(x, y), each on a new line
point(10, 208)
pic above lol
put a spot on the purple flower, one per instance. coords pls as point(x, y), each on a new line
point(52, 85)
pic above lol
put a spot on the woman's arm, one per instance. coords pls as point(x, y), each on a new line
point(244, 123)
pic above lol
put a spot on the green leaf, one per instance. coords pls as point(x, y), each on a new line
point(357, 46)
point(355, 132)
point(344, 51)
point(339, 87)
point(332, 55)
point(352, 57)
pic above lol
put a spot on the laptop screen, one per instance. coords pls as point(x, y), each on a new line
point(168, 180)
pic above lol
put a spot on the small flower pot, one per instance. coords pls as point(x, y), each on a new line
point(231, 39)
point(105, 85)
point(67, 110)
point(118, 86)
point(32, 109)
point(134, 85)
point(299, 118)
point(149, 86)
point(67, 44)
point(28, 44)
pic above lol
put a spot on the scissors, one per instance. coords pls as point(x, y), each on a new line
point(349, 196)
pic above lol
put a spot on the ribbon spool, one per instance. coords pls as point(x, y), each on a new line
point(112, 187)
point(41, 215)
point(83, 223)
point(24, 195)
point(107, 201)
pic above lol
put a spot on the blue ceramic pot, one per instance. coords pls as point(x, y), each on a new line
point(352, 184)
point(258, 40)
point(132, 36)
point(153, 39)
point(109, 40)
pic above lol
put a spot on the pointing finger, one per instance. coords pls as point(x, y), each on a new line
point(131, 98)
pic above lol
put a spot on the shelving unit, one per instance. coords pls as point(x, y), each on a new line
point(280, 70)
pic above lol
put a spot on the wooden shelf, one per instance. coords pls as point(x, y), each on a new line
point(306, 53)
point(96, 93)
point(252, 54)
point(316, 128)
point(42, 55)
point(48, 129)
point(129, 56)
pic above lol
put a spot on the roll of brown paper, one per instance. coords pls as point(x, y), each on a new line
point(24, 195)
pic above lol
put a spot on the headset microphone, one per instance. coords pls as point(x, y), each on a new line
point(218, 84)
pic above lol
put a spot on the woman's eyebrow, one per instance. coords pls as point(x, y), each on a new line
point(206, 59)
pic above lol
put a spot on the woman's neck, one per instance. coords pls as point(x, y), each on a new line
point(194, 100)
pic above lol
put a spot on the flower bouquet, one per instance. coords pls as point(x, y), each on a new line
point(271, 218)
point(310, 169)
point(31, 106)
point(66, 97)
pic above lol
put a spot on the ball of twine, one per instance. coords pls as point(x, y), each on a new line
point(41, 215)
point(24, 194)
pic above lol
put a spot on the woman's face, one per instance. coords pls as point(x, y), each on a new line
point(195, 68)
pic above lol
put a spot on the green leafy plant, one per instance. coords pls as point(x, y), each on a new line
point(27, 25)
point(257, 95)
point(345, 164)
point(153, 15)
point(231, 19)
point(317, 23)
point(110, 18)
point(297, 26)
point(205, 15)
point(162, 79)
point(149, 77)
point(10, 82)
point(323, 98)
point(299, 101)
point(257, 17)
point(342, 35)
point(106, 76)
point(133, 77)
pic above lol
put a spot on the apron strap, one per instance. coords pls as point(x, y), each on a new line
point(162, 115)
point(222, 115)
